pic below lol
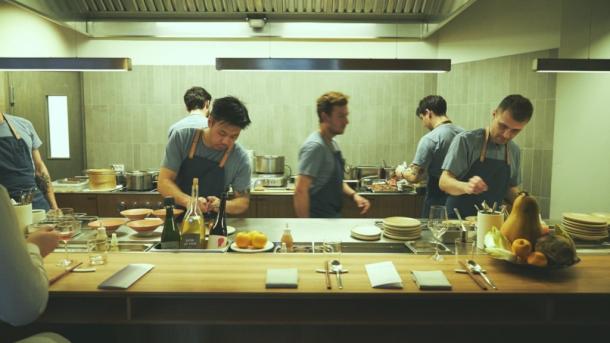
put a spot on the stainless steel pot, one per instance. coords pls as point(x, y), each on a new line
point(269, 164)
point(139, 180)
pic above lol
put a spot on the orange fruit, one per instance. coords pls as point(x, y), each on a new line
point(537, 259)
point(521, 248)
point(242, 240)
point(259, 240)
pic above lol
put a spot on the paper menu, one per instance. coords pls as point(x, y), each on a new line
point(383, 275)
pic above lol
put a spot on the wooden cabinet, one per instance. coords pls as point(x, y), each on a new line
point(80, 202)
point(261, 206)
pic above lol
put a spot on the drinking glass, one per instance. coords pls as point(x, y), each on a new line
point(437, 223)
point(66, 261)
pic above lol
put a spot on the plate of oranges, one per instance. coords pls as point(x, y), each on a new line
point(251, 242)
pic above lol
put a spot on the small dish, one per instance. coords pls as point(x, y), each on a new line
point(136, 213)
point(268, 246)
point(145, 225)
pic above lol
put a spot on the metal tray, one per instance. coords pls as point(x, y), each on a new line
point(157, 248)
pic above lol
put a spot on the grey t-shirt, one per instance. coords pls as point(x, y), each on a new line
point(465, 150)
point(433, 146)
point(317, 160)
point(197, 121)
point(24, 128)
point(237, 168)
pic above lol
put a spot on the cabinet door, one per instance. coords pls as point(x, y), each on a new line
point(250, 212)
point(82, 203)
point(275, 206)
point(111, 204)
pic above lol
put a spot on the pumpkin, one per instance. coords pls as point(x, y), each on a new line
point(524, 220)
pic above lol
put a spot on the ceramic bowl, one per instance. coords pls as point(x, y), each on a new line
point(145, 225)
point(136, 213)
point(160, 213)
point(111, 224)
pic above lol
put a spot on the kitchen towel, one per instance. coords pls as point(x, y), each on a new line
point(431, 280)
point(383, 275)
point(126, 277)
point(282, 278)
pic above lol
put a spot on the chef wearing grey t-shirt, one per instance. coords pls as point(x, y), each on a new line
point(485, 164)
point(320, 188)
point(431, 149)
point(212, 155)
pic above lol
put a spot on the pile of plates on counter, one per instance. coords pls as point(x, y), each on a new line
point(585, 227)
point(401, 228)
point(366, 233)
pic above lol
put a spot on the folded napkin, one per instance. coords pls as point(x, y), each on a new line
point(125, 277)
point(383, 275)
point(282, 278)
point(431, 280)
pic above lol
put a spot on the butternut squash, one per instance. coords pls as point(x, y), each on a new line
point(524, 220)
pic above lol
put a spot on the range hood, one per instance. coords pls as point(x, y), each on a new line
point(299, 19)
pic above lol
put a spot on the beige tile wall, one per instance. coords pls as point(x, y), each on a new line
point(4, 106)
point(128, 114)
point(474, 89)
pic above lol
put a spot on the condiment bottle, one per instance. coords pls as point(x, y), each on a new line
point(287, 239)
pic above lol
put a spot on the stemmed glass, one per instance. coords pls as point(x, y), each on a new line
point(437, 223)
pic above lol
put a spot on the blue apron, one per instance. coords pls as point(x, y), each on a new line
point(328, 200)
point(495, 173)
point(16, 168)
point(211, 174)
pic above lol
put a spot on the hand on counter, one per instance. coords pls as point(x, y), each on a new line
point(362, 203)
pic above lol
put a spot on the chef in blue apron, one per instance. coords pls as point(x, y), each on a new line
point(320, 189)
point(485, 164)
point(212, 155)
point(431, 149)
point(21, 163)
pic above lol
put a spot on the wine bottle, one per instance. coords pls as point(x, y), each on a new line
point(218, 232)
point(170, 237)
point(193, 231)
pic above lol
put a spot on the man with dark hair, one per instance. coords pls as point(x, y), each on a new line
point(212, 155)
point(319, 187)
point(485, 164)
point(197, 101)
point(431, 149)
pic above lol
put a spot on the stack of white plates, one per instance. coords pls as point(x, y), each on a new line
point(402, 228)
point(585, 226)
point(366, 232)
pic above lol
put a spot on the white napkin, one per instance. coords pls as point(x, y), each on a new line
point(282, 278)
point(431, 280)
point(383, 275)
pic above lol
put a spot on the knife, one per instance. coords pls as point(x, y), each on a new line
point(469, 271)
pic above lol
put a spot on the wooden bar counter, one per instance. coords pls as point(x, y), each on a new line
point(227, 292)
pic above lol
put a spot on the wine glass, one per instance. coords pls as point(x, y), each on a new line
point(437, 223)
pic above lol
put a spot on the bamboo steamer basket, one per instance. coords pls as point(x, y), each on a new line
point(101, 179)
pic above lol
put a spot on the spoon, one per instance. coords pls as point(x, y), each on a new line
point(477, 268)
point(337, 268)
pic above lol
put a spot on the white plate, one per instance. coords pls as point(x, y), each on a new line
point(230, 230)
point(267, 247)
point(367, 231)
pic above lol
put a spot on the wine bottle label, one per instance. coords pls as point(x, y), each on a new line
point(217, 242)
point(170, 245)
point(190, 241)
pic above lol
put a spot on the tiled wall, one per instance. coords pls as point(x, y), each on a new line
point(128, 114)
point(473, 90)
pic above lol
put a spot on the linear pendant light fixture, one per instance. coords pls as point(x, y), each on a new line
point(335, 64)
point(65, 64)
point(571, 65)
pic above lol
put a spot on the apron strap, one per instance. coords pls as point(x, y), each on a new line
point(10, 126)
point(198, 134)
point(484, 149)
point(194, 144)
